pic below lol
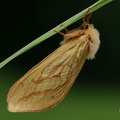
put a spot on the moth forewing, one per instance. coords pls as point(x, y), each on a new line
point(47, 83)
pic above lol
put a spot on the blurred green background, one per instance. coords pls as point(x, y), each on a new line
point(96, 92)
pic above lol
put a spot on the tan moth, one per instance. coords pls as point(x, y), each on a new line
point(47, 83)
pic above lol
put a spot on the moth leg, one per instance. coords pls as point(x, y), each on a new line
point(66, 30)
point(86, 19)
point(61, 33)
point(74, 35)
point(71, 35)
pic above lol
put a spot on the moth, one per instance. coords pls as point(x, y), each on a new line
point(47, 83)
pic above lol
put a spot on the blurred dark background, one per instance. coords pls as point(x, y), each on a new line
point(95, 94)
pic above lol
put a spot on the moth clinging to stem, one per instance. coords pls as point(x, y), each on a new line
point(47, 83)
